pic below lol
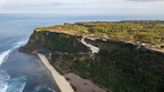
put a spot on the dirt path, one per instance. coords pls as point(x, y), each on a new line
point(94, 49)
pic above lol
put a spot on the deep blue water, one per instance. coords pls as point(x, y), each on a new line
point(20, 72)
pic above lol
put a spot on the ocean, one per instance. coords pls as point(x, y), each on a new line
point(21, 72)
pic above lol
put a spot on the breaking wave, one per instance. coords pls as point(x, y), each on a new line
point(4, 55)
point(6, 83)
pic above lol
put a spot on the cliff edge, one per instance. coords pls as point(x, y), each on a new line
point(127, 57)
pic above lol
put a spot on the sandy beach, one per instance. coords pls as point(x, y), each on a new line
point(62, 83)
point(83, 85)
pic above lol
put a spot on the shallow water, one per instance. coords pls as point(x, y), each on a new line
point(26, 74)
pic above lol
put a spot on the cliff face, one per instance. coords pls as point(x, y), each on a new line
point(119, 66)
point(46, 41)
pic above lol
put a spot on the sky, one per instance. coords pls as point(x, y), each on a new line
point(84, 7)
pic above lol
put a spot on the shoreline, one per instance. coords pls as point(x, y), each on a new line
point(61, 82)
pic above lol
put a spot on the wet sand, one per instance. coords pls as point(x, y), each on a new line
point(62, 83)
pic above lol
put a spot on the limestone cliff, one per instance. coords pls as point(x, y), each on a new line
point(46, 41)
point(119, 66)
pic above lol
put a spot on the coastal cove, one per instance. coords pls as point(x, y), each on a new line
point(81, 46)
point(20, 70)
point(47, 53)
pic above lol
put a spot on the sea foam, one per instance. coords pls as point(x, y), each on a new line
point(16, 84)
point(4, 78)
point(4, 56)
point(6, 83)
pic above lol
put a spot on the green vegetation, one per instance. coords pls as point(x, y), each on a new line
point(162, 46)
point(150, 32)
point(67, 28)
point(121, 68)
point(55, 42)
